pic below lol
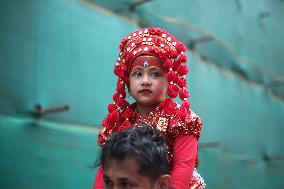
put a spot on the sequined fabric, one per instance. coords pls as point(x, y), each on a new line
point(196, 181)
point(171, 126)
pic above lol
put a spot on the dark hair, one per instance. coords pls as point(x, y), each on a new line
point(144, 144)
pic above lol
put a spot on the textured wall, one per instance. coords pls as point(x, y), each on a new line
point(57, 52)
point(38, 154)
point(62, 52)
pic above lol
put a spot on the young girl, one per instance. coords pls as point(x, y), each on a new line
point(152, 66)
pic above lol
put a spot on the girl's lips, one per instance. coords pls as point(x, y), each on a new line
point(145, 91)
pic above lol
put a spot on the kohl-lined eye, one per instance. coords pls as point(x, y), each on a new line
point(156, 74)
point(136, 73)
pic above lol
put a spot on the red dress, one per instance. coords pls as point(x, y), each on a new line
point(181, 135)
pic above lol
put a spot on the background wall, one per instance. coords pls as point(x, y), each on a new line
point(55, 53)
point(62, 53)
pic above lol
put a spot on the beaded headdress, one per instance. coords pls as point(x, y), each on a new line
point(162, 45)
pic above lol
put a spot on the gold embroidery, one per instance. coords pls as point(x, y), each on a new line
point(162, 124)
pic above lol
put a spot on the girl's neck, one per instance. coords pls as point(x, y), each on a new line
point(145, 110)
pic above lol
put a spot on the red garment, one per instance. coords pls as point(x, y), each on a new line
point(181, 135)
point(99, 181)
point(185, 150)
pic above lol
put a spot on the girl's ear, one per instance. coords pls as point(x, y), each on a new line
point(164, 181)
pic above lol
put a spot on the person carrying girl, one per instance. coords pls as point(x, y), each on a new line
point(152, 66)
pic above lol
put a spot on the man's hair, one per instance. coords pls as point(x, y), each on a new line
point(144, 144)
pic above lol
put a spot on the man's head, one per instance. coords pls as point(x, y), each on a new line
point(136, 158)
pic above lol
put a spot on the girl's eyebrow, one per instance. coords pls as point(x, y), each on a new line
point(151, 68)
point(137, 68)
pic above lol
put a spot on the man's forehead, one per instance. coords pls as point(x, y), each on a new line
point(123, 168)
point(127, 171)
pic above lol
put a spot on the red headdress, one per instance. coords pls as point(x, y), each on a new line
point(155, 42)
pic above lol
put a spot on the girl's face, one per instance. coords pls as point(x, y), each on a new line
point(148, 81)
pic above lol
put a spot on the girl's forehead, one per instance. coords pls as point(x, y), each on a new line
point(146, 61)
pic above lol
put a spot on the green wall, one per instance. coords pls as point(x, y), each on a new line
point(55, 53)
point(38, 154)
point(62, 52)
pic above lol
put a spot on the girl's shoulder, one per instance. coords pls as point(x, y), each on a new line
point(176, 121)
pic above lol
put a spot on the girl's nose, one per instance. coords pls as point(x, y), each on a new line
point(146, 80)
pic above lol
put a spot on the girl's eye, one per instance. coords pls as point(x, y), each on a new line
point(136, 74)
point(156, 74)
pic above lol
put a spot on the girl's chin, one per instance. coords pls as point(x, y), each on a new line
point(148, 104)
